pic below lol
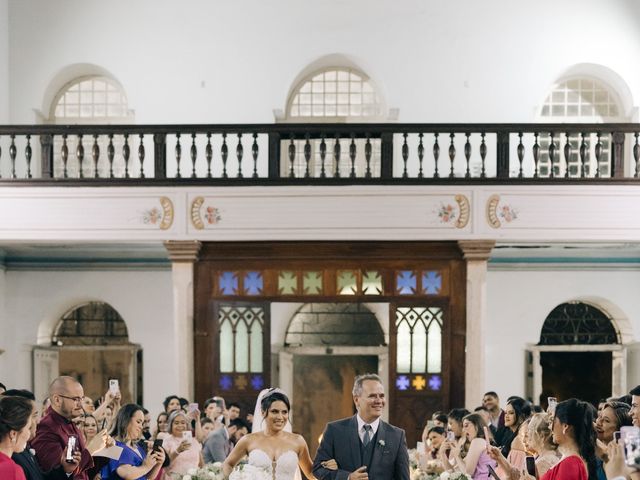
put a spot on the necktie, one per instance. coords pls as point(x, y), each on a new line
point(367, 435)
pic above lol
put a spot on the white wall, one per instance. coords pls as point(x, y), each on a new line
point(229, 61)
point(519, 301)
point(143, 299)
point(4, 61)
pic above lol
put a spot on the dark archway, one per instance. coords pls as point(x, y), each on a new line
point(578, 370)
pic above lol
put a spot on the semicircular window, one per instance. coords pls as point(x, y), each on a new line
point(334, 324)
point(93, 323)
point(577, 323)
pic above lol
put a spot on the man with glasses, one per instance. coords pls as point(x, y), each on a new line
point(55, 428)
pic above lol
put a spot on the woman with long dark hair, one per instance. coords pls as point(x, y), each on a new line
point(573, 432)
point(15, 430)
point(134, 462)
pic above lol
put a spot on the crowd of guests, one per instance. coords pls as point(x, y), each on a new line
point(34, 445)
point(572, 440)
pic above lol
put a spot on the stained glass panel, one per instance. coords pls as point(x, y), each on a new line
point(406, 282)
point(253, 283)
point(347, 282)
point(287, 283)
point(371, 283)
point(431, 282)
point(228, 283)
point(312, 283)
point(419, 339)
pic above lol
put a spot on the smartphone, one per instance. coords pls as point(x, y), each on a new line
point(157, 445)
point(551, 405)
point(451, 436)
point(71, 446)
point(531, 466)
point(630, 437)
point(193, 407)
point(493, 473)
point(219, 401)
point(114, 385)
point(616, 436)
point(187, 436)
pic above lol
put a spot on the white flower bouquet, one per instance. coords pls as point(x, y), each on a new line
point(210, 471)
point(454, 476)
point(415, 470)
point(250, 472)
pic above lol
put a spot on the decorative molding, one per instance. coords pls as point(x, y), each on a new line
point(183, 250)
point(167, 213)
point(476, 249)
point(492, 211)
point(463, 218)
point(196, 219)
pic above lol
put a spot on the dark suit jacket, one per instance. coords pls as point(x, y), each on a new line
point(340, 441)
point(31, 469)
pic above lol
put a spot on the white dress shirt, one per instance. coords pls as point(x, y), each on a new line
point(374, 427)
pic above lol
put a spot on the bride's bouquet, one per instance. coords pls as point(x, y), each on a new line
point(250, 472)
point(210, 471)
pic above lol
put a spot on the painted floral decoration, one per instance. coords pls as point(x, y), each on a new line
point(152, 216)
point(447, 213)
point(213, 215)
point(508, 213)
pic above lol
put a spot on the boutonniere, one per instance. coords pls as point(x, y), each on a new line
point(381, 443)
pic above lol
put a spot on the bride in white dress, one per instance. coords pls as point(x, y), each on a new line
point(271, 445)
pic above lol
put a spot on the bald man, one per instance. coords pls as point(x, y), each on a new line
point(55, 428)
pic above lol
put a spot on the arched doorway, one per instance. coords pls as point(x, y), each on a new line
point(328, 344)
point(90, 342)
point(576, 349)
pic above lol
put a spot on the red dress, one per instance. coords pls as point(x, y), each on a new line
point(571, 468)
point(10, 470)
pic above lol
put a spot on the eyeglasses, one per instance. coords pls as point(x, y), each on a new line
point(74, 399)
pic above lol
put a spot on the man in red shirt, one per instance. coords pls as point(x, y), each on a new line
point(66, 395)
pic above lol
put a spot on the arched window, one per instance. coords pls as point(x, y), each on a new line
point(94, 323)
point(91, 100)
point(577, 323)
point(576, 100)
point(336, 95)
point(334, 324)
point(419, 339)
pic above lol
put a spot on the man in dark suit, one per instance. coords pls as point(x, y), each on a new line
point(364, 446)
point(219, 443)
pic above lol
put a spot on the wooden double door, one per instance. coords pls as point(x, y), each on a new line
point(238, 332)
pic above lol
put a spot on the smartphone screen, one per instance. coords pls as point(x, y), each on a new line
point(114, 385)
point(157, 445)
point(531, 466)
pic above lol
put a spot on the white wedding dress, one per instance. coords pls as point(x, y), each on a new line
point(285, 467)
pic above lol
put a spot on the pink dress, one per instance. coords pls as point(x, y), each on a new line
point(185, 460)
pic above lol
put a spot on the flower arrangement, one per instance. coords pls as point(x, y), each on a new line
point(454, 476)
point(210, 471)
point(415, 470)
point(250, 472)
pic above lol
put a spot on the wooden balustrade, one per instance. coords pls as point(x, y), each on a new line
point(318, 153)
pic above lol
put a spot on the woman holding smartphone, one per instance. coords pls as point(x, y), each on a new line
point(184, 451)
point(135, 463)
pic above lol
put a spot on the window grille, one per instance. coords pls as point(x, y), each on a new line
point(94, 323)
point(577, 323)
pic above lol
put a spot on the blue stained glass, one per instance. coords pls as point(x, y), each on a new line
point(431, 282)
point(257, 382)
point(406, 282)
point(402, 382)
point(253, 283)
point(226, 382)
point(435, 382)
point(228, 283)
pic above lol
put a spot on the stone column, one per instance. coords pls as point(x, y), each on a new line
point(476, 253)
point(183, 255)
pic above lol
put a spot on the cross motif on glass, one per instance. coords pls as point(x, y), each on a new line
point(402, 382)
point(241, 382)
point(435, 382)
point(431, 282)
point(226, 382)
point(228, 283)
point(257, 382)
point(406, 282)
point(253, 283)
point(419, 382)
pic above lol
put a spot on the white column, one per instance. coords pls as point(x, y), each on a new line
point(476, 253)
point(183, 255)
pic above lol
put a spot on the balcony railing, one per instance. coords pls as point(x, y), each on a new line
point(318, 154)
